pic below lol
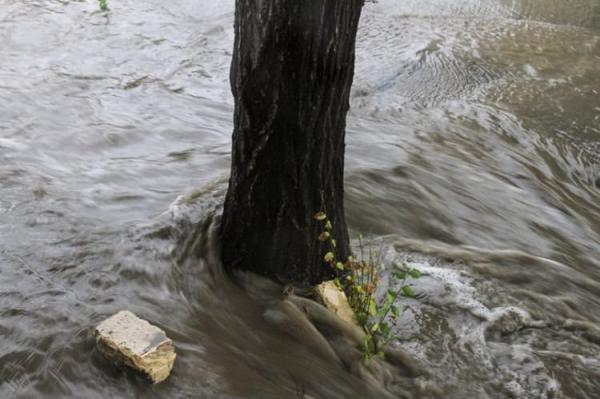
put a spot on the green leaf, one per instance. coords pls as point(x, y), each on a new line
point(369, 344)
point(339, 266)
point(324, 236)
point(408, 291)
point(400, 275)
point(389, 296)
point(381, 355)
point(395, 311)
point(374, 328)
point(372, 307)
point(329, 257)
point(414, 273)
point(328, 226)
point(385, 329)
point(361, 318)
point(320, 216)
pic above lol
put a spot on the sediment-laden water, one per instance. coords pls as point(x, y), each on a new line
point(473, 154)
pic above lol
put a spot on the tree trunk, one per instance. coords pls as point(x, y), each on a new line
point(291, 74)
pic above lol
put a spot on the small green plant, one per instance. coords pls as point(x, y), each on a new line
point(359, 279)
point(103, 4)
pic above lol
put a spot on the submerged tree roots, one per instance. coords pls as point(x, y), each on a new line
point(333, 339)
point(294, 313)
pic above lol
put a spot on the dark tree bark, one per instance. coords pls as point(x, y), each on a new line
point(291, 74)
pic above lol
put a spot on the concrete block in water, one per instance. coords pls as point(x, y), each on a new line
point(335, 300)
point(127, 340)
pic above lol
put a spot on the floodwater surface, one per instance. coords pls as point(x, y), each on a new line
point(473, 154)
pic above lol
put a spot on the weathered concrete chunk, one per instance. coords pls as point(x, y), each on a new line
point(127, 340)
point(335, 300)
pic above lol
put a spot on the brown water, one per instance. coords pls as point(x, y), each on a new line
point(473, 153)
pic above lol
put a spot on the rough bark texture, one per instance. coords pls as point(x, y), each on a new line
point(291, 74)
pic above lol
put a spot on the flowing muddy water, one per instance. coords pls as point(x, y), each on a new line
point(473, 153)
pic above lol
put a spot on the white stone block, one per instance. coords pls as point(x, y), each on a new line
point(335, 300)
point(127, 340)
